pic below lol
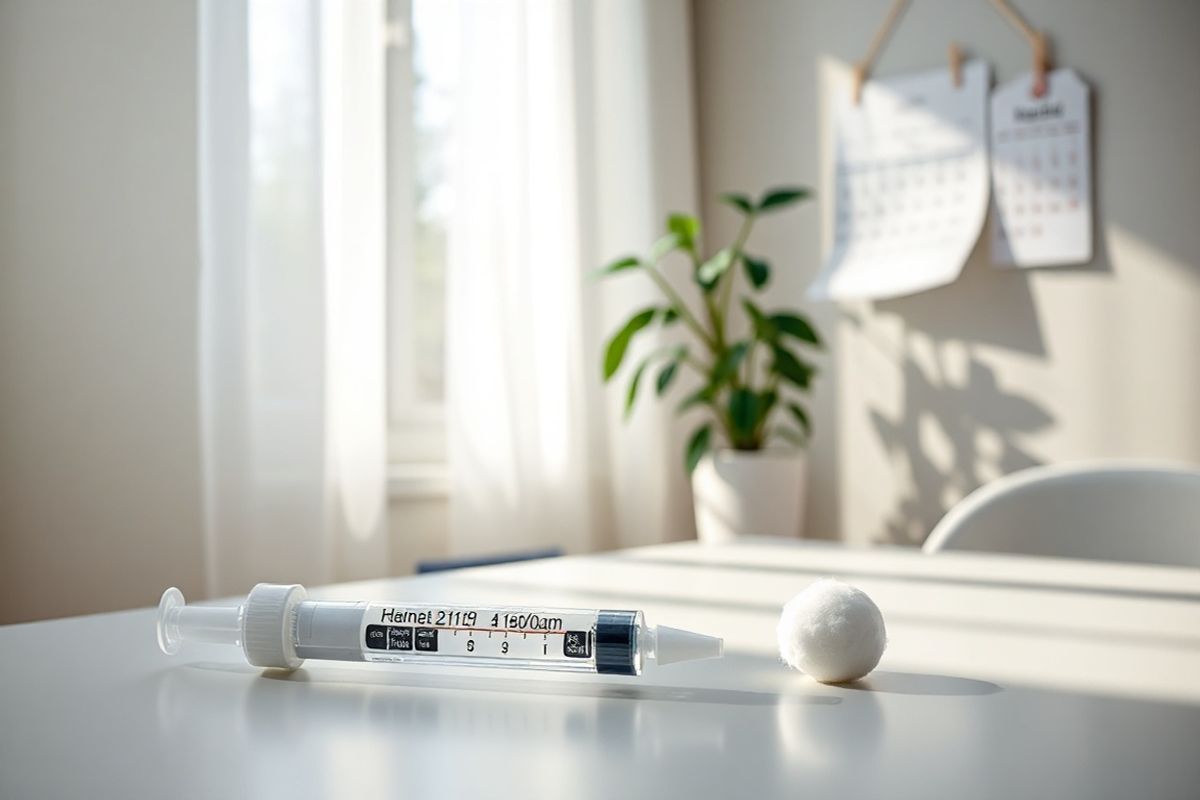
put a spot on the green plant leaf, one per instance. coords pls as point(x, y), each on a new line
point(659, 250)
point(757, 270)
point(620, 265)
point(697, 446)
point(784, 196)
point(633, 387)
point(686, 228)
point(766, 402)
point(670, 316)
point(798, 326)
point(711, 271)
point(801, 417)
point(764, 329)
point(614, 354)
point(665, 376)
point(700, 397)
point(739, 201)
point(791, 368)
point(743, 413)
point(728, 363)
point(793, 436)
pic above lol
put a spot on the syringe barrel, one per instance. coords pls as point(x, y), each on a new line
point(329, 630)
point(560, 639)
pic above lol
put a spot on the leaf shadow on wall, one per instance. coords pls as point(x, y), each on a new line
point(958, 424)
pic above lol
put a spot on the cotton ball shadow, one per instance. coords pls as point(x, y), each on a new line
point(820, 737)
point(832, 631)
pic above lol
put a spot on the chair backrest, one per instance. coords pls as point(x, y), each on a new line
point(1113, 511)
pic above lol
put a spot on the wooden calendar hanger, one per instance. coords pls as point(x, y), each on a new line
point(862, 70)
point(1038, 44)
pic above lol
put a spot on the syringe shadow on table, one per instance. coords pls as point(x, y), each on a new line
point(479, 713)
point(572, 686)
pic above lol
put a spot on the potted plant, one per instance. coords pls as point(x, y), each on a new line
point(746, 459)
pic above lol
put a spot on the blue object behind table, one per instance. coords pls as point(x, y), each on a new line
point(444, 564)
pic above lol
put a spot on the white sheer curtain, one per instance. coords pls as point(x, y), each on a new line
point(575, 139)
point(292, 290)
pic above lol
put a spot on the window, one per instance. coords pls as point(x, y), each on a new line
point(421, 75)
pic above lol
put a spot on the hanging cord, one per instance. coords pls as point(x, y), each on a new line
point(954, 56)
point(863, 68)
point(1037, 43)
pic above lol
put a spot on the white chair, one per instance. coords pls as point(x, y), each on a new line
point(1109, 510)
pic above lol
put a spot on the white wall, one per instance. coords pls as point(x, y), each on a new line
point(926, 397)
point(99, 464)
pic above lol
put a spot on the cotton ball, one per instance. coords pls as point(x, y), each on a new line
point(832, 631)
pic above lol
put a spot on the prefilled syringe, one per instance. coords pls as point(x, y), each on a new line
point(278, 627)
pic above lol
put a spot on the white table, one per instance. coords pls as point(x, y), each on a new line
point(1005, 677)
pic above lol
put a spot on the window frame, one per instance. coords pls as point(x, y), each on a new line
point(416, 429)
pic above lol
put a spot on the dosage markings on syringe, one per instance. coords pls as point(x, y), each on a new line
point(427, 631)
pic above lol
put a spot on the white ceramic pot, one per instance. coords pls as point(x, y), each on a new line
point(740, 493)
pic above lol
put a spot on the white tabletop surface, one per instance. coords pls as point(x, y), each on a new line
point(1004, 677)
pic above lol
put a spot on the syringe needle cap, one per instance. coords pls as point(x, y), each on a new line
point(673, 645)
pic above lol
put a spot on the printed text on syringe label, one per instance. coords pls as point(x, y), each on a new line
point(477, 632)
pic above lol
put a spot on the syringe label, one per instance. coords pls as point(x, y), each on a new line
point(445, 633)
point(390, 637)
point(577, 644)
point(427, 640)
point(400, 638)
point(377, 637)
